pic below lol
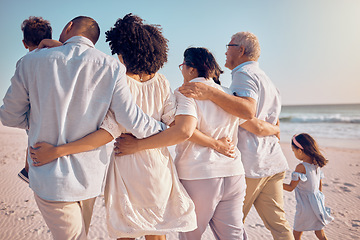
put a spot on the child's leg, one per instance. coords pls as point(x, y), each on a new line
point(155, 237)
point(320, 234)
point(297, 235)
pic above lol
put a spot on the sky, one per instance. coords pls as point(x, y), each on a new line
point(310, 49)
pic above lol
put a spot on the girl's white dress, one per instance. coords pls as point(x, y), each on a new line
point(311, 213)
point(143, 195)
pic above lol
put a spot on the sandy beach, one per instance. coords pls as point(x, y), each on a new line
point(20, 218)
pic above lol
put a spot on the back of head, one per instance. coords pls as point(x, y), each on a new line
point(142, 46)
point(310, 148)
point(87, 27)
point(36, 29)
point(204, 62)
point(250, 42)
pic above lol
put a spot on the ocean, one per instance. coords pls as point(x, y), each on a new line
point(332, 125)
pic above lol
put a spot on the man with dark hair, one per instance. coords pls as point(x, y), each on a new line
point(81, 26)
point(70, 89)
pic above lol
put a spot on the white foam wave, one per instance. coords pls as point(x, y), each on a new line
point(320, 119)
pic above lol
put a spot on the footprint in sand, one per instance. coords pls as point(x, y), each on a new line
point(349, 185)
point(345, 189)
point(355, 223)
point(259, 225)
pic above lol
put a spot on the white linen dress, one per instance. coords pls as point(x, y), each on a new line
point(311, 213)
point(143, 194)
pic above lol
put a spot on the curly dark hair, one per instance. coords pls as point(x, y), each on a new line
point(142, 46)
point(36, 29)
point(204, 62)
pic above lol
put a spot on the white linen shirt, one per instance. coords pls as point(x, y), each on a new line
point(70, 89)
point(194, 161)
point(261, 156)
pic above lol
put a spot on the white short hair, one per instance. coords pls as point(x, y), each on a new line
point(250, 42)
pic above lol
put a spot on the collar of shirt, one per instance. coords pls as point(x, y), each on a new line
point(81, 40)
point(242, 65)
point(199, 79)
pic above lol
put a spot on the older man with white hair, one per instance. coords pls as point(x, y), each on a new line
point(254, 96)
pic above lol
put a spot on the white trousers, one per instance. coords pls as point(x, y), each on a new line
point(219, 203)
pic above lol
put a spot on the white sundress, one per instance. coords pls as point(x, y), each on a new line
point(143, 194)
point(311, 213)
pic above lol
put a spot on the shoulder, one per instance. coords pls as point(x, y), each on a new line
point(162, 80)
point(248, 68)
point(300, 168)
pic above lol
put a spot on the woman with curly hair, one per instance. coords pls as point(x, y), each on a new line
point(143, 194)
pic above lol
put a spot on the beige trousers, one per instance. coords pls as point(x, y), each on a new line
point(67, 220)
point(266, 194)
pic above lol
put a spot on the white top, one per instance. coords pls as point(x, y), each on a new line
point(194, 161)
point(154, 97)
point(143, 194)
point(261, 156)
point(70, 89)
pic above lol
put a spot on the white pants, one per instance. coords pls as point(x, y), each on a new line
point(219, 203)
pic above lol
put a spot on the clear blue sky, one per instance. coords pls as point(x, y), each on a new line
point(310, 48)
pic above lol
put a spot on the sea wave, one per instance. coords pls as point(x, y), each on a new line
point(320, 119)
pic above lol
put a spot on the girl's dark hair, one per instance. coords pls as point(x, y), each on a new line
point(204, 62)
point(36, 29)
point(310, 148)
point(142, 46)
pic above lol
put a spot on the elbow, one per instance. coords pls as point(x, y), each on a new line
point(248, 114)
point(185, 134)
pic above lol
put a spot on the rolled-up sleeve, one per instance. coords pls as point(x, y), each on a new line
point(244, 86)
point(128, 114)
point(16, 104)
point(185, 105)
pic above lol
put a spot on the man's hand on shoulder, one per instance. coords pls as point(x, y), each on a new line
point(196, 90)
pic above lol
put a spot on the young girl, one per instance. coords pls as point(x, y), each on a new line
point(311, 213)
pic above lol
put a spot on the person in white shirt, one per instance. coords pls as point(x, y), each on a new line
point(70, 89)
point(215, 182)
point(255, 96)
